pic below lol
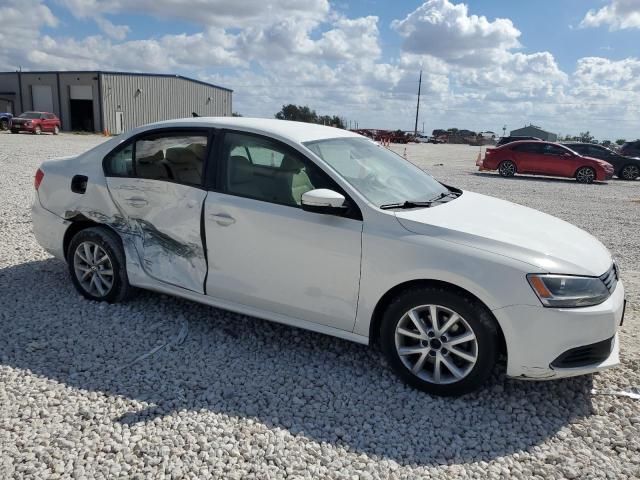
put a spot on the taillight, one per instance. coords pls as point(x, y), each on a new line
point(38, 179)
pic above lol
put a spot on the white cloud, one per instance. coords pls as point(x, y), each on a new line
point(445, 30)
point(618, 15)
point(290, 51)
point(117, 32)
point(220, 13)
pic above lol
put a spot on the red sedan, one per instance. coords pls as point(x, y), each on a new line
point(544, 158)
point(36, 123)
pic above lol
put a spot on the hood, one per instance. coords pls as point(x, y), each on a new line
point(602, 163)
point(547, 243)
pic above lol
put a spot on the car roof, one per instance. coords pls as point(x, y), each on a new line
point(520, 142)
point(294, 131)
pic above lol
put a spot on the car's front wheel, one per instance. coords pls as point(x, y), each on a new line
point(37, 130)
point(507, 168)
point(56, 130)
point(97, 265)
point(439, 341)
point(585, 175)
point(630, 172)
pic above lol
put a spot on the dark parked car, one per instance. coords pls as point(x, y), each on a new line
point(626, 168)
point(505, 140)
point(631, 149)
point(36, 123)
point(5, 120)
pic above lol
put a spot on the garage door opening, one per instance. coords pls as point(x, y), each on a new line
point(81, 107)
point(81, 115)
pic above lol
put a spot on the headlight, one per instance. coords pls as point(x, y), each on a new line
point(563, 291)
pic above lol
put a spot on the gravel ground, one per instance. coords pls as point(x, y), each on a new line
point(234, 397)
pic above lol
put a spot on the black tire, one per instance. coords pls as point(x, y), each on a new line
point(4, 124)
point(585, 175)
point(475, 317)
point(37, 130)
point(15, 131)
point(110, 244)
point(629, 172)
point(56, 130)
point(507, 168)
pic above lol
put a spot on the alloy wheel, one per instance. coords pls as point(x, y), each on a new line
point(93, 269)
point(507, 169)
point(585, 175)
point(436, 344)
point(630, 172)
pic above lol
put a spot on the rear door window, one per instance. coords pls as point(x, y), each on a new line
point(528, 148)
point(173, 156)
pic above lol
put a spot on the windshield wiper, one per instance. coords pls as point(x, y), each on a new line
point(405, 204)
point(445, 195)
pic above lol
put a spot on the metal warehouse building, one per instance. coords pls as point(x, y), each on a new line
point(533, 131)
point(115, 101)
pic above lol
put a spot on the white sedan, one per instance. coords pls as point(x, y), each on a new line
point(323, 229)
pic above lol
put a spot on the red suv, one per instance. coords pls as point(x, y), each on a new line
point(36, 123)
point(544, 158)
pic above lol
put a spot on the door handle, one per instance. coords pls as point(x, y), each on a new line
point(222, 219)
point(137, 202)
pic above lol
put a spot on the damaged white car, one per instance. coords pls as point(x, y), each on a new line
point(322, 229)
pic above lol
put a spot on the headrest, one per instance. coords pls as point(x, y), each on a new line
point(199, 149)
point(291, 163)
point(177, 155)
point(156, 157)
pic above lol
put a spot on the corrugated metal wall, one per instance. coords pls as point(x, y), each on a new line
point(145, 99)
point(10, 90)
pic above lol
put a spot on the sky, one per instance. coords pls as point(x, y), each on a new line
point(568, 66)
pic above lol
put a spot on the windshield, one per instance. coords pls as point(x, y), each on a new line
point(380, 175)
point(30, 115)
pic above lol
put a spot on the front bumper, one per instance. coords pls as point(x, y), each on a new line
point(538, 336)
point(48, 228)
point(22, 127)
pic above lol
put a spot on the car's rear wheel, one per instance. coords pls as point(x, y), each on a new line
point(585, 175)
point(507, 168)
point(97, 265)
point(439, 341)
point(4, 124)
point(37, 130)
point(56, 130)
point(630, 172)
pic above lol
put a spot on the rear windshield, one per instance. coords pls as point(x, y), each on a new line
point(30, 115)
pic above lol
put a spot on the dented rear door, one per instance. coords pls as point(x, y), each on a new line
point(160, 195)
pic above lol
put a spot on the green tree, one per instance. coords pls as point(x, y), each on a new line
point(300, 113)
point(586, 137)
point(621, 141)
point(236, 114)
point(297, 113)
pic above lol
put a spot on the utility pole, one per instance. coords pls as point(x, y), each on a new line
point(415, 130)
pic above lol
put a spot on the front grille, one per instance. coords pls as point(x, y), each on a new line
point(585, 355)
point(610, 278)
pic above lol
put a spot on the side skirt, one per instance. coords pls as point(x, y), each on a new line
point(149, 284)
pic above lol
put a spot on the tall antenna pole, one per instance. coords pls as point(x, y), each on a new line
point(415, 130)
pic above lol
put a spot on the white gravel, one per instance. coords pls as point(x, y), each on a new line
point(244, 398)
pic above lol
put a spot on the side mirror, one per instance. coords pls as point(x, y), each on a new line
point(323, 200)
